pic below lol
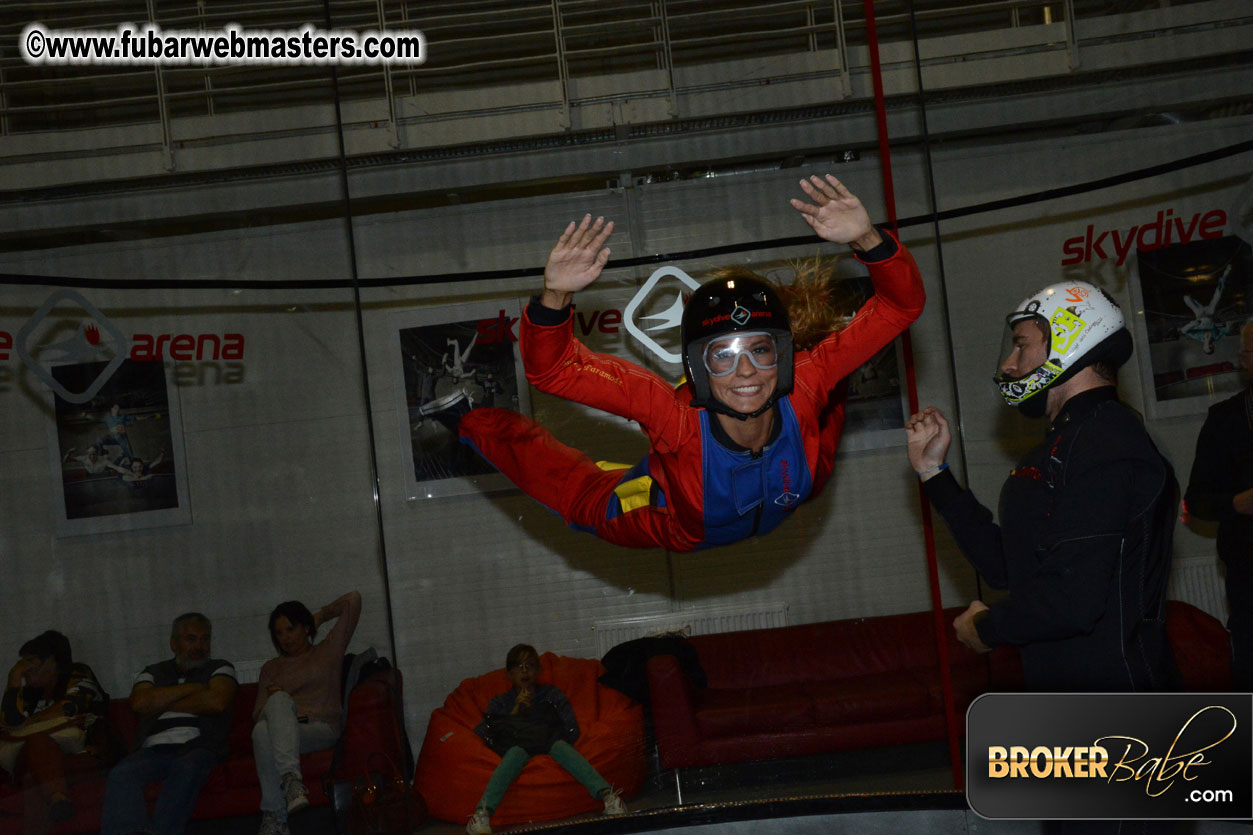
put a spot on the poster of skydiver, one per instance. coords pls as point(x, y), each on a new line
point(119, 454)
point(1195, 298)
point(450, 360)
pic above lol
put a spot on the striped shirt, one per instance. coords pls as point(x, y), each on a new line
point(175, 727)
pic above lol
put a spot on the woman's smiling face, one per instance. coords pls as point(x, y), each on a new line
point(746, 387)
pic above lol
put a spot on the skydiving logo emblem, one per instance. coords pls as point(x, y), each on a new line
point(741, 314)
point(96, 340)
point(671, 317)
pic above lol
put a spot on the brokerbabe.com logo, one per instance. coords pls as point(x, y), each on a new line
point(1110, 755)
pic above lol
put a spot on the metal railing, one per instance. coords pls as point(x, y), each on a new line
point(472, 44)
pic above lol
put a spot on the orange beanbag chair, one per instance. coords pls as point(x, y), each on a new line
point(455, 764)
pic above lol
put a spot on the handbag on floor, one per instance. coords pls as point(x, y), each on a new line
point(384, 803)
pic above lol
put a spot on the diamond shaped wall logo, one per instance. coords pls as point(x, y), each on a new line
point(670, 318)
point(98, 339)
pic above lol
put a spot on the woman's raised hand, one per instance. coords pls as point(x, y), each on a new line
point(576, 261)
point(836, 214)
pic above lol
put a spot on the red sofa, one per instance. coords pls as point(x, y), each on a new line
point(373, 726)
point(820, 687)
point(455, 764)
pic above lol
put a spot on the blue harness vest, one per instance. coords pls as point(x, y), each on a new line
point(743, 495)
point(748, 496)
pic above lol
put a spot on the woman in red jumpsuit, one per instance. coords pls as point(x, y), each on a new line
point(749, 435)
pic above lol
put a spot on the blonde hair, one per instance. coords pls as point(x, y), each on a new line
point(817, 305)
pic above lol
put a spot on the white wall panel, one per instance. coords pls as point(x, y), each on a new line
point(316, 250)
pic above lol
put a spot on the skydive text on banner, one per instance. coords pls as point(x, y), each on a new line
point(1164, 230)
point(150, 45)
point(1110, 756)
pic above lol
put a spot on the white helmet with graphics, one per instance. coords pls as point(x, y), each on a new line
point(1082, 326)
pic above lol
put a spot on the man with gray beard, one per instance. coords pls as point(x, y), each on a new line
point(185, 706)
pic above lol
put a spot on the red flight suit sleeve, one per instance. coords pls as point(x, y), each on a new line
point(557, 363)
point(897, 301)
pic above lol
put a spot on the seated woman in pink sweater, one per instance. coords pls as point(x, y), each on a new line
point(298, 702)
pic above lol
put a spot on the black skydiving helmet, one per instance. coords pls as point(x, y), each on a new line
point(1080, 324)
point(724, 307)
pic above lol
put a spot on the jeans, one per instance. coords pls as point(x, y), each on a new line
point(516, 758)
point(182, 770)
point(278, 740)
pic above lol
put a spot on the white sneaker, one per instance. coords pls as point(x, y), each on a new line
point(614, 804)
point(480, 822)
point(296, 794)
point(271, 825)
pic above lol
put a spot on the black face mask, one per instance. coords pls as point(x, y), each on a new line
point(1034, 407)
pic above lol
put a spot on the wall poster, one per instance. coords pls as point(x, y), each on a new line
point(1195, 298)
point(449, 360)
point(118, 454)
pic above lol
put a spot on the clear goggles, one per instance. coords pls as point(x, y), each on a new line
point(722, 356)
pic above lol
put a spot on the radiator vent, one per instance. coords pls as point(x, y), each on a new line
point(610, 633)
point(247, 672)
point(1198, 582)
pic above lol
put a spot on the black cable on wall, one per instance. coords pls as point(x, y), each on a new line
point(355, 282)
